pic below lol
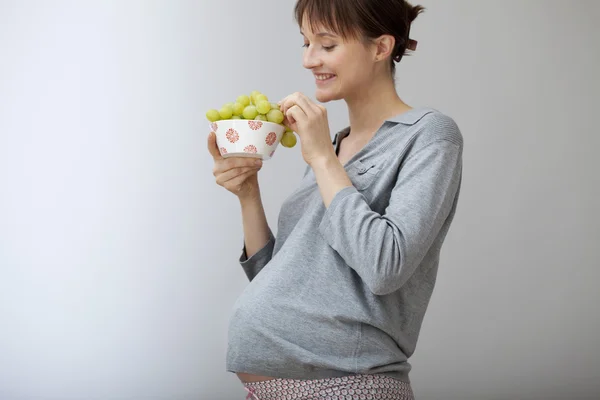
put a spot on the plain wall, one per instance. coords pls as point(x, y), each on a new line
point(118, 252)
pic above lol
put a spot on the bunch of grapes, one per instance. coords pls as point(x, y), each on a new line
point(253, 107)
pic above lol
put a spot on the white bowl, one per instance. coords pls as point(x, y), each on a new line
point(247, 138)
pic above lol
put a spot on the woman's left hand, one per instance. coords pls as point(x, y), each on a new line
point(309, 121)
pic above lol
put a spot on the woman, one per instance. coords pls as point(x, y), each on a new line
point(336, 301)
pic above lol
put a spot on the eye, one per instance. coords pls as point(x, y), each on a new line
point(305, 45)
point(329, 48)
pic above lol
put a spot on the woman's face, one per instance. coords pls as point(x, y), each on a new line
point(342, 67)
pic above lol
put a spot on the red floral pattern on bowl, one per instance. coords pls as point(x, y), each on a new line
point(250, 149)
point(271, 138)
point(255, 125)
point(232, 135)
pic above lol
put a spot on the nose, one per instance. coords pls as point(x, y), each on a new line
point(310, 59)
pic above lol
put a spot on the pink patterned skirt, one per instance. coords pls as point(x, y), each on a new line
point(354, 387)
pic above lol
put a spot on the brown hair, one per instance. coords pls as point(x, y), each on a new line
point(363, 19)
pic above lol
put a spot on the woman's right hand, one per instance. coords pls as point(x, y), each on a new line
point(236, 174)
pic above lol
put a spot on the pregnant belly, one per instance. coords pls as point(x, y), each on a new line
point(252, 378)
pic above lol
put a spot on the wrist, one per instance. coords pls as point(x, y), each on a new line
point(252, 192)
point(331, 177)
point(250, 197)
point(325, 161)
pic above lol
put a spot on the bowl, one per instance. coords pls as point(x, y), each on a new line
point(247, 138)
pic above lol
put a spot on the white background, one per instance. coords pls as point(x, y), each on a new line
point(118, 252)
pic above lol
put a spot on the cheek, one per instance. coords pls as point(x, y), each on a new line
point(354, 71)
point(352, 64)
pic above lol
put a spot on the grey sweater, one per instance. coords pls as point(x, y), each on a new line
point(343, 290)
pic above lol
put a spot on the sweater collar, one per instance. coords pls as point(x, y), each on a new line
point(411, 116)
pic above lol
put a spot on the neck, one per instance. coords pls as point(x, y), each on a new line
point(369, 108)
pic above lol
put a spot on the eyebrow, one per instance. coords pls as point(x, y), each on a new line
point(322, 34)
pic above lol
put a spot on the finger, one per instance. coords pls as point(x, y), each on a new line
point(286, 103)
point(295, 114)
point(236, 162)
point(235, 184)
point(290, 123)
point(289, 101)
point(213, 148)
point(301, 100)
point(306, 105)
point(287, 122)
point(226, 176)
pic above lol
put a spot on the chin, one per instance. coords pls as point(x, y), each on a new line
point(325, 96)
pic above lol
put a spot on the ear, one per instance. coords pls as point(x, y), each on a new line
point(384, 46)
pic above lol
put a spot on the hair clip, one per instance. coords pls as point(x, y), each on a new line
point(412, 44)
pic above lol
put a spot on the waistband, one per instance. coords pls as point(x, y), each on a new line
point(354, 387)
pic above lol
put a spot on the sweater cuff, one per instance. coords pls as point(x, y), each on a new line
point(327, 227)
point(258, 260)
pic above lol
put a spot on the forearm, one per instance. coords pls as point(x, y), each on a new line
point(386, 248)
point(331, 177)
point(254, 220)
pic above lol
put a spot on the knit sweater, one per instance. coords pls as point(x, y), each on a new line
point(343, 290)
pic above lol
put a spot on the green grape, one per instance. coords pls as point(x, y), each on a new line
point(263, 107)
point(275, 115)
point(261, 97)
point(288, 140)
point(226, 112)
point(213, 115)
point(238, 108)
point(250, 112)
point(243, 100)
point(255, 106)
point(253, 96)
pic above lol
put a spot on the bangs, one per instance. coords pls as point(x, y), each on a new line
point(338, 16)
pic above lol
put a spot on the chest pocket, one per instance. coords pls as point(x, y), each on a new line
point(363, 174)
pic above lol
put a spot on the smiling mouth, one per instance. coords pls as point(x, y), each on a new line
point(323, 78)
